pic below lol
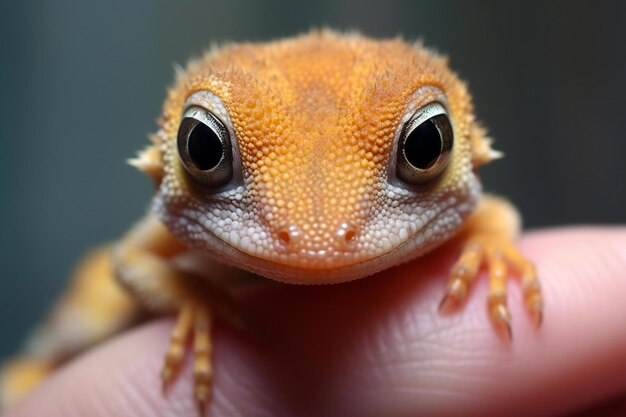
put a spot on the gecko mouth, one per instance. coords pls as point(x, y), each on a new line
point(354, 259)
point(313, 254)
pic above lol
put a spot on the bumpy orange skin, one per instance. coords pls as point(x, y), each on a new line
point(315, 121)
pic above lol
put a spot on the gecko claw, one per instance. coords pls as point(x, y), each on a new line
point(444, 302)
point(201, 404)
point(504, 330)
point(534, 306)
point(509, 331)
point(452, 297)
point(537, 317)
point(500, 315)
point(164, 384)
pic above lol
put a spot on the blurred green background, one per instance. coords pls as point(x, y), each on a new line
point(81, 83)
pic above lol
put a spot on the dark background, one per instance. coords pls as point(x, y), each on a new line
point(81, 84)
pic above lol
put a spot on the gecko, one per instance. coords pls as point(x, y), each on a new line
point(318, 159)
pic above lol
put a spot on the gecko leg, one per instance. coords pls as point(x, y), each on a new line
point(496, 302)
point(145, 268)
point(489, 238)
point(202, 368)
point(176, 350)
point(530, 282)
point(192, 318)
point(19, 376)
point(463, 272)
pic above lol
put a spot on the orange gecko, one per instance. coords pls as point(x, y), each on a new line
point(318, 159)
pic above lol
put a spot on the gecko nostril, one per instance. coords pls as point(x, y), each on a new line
point(289, 235)
point(283, 235)
point(345, 233)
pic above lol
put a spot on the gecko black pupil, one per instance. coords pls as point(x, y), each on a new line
point(205, 147)
point(423, 145)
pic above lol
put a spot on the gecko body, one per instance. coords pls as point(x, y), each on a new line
point(313, 160)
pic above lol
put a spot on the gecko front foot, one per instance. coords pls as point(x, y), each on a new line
point(498, 253)
point(194, 319)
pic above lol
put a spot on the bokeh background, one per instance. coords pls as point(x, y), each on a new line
point(81, 83)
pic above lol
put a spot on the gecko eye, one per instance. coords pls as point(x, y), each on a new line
point(204, 147)
point(425, 144)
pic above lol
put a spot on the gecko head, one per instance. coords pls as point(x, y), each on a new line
point(321, 158)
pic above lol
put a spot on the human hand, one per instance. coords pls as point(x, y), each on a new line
point(378, 346)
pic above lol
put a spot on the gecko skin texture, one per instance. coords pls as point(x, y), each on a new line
point(316, 121)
